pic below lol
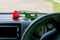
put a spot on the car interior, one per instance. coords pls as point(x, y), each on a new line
point(29, 20)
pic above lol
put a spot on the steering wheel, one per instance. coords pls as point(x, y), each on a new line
point(41, 26)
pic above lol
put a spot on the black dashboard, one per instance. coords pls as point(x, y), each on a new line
point(13, 29)
point(10, 30)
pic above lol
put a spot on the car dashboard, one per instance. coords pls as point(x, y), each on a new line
point(13, 29)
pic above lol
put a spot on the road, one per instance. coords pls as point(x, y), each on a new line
point(32, 5)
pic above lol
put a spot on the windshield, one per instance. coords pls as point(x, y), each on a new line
point(42, 6)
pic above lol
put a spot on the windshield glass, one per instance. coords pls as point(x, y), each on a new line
point(42, 6)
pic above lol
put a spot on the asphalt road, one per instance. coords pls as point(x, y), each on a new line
point(32, 5)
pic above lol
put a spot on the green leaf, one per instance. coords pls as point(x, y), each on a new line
point(27, 15)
